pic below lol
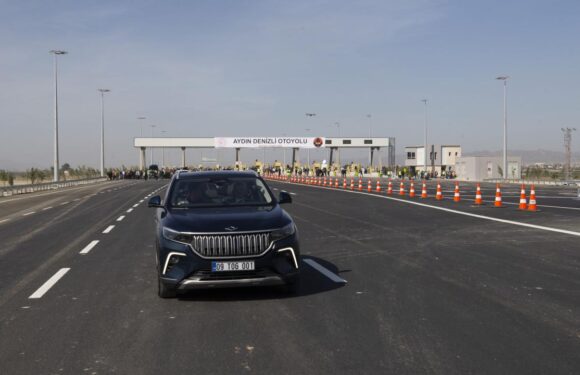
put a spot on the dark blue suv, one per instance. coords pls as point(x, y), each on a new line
point(223, 229)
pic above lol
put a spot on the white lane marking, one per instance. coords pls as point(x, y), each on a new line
point(63, 203)
point(331, 275)
point(141, 201)
point(541, 205)
point(89, 247)
point(129, 210)
point(292, 193)
point(120, 218)
point(46, 208)
point(135, 205)
point(275, 188)
point(109, 228)
point(4, 220)
point(76, 200)
point(49, 283)
point(29, 213)
point(511, 222)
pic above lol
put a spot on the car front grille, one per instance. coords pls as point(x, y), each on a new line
point(231, 245)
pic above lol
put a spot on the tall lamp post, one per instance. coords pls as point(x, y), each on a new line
point(56, 53)
point(337, 124)
point(310, 115)
point(505, 161)
point(163, 150)
point(141, 122)
point(308, 150)
point(152, 127)
point(425, 137)
point(103, 91)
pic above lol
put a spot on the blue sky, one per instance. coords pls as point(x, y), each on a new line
point(220, 68)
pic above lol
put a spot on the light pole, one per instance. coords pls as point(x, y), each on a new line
point(308, 150)
point(163, 150)
point(505, 161)
point(425, 137)
point(370, 117)
point(152, 127)
point(141, 118)
point(308, 130)
point(103, 91)
point(56, 53)
point(337, 124)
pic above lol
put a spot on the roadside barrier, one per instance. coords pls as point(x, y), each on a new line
point(424, 190)
point(523, 202)
point(532, 205)
point(412, 190)
point(390, 188)
point(439, 194)
point(497, 202)
point(478, 198)
point(456, 195)
point(402, 189)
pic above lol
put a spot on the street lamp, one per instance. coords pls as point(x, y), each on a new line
point(505, 162)
point(56, 53)
point(308, 130)
point(369, 116)
point(103, 91)
point(163, 150)
point(141, 118)
point(425, 137)
point(152, 127)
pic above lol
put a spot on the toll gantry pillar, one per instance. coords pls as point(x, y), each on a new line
point(142, 159)
point(183, 157)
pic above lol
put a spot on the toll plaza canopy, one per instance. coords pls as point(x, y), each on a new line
point(294, 143)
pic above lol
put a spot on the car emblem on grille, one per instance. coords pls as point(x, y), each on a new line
point(231, 228)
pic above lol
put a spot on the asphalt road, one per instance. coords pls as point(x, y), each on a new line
point(432, 288)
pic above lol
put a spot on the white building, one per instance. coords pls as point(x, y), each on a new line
point(479, 168)
point(441, 158)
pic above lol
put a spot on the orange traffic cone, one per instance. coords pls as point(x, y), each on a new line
point(390, 188)
point(324, 184)
point(497, 202)
point(344, 183)
point(532, 205)
point(402, 189)
point(424, 190)
point(456, 196)
point(360, 184)
point(412, 190)
point(439, 194)
point(336, 182)
point(351, 184)
point(369, 186)
point(523, 203)
point(478, 198)
point(378, 186)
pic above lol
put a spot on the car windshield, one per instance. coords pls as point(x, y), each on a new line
point(219, 192)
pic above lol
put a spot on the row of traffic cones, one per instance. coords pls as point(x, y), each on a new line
point(524, 204)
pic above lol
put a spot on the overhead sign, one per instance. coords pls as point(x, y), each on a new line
point(266, 142)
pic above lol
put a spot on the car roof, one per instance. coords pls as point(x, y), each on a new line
point(214, 174)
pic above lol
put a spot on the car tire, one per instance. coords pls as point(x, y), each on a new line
point(163, 291)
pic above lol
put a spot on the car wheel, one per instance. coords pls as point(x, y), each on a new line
point(163, 291)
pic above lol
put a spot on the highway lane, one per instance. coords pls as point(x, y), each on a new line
point(428, 292)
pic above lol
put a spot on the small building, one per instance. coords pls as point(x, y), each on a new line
point(479, 168)
point(441, 158)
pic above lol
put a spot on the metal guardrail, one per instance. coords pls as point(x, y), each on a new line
point(535, 182)
point(6, 191)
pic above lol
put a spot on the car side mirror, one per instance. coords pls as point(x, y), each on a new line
point(154, 201)
point(284, 197)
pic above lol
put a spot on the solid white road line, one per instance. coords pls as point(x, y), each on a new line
point(120, 218)
point(3, 220)
point(46, 208)
point(332, 276)
point(29, 213)
point(490, 218)
point(49, 283)
point(129, 210)
point(109, 228)
point(89, 247)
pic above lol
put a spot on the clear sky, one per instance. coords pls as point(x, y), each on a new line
point(240, 67)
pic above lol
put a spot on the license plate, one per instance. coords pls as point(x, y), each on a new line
point(232, 266)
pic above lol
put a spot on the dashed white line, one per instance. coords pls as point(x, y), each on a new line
point(76, 200)
point(49, 283)
point(135, 205)
point(89, 247)
point(3, 220)
point(292, 193)
point(29, 213)
point(120, 218)
point(141, 201)
point(109, 228)
point(331, 275)
point(129, 210)
point(46, 208)
point(63, 203)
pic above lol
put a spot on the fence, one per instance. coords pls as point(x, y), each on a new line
point(6, 191)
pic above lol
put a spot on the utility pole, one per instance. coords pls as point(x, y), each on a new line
point(425, 137)
point(505, 157)
point(103, 91)
point(56, 53)
point(568, 150)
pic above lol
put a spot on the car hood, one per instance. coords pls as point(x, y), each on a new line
point(213, 220)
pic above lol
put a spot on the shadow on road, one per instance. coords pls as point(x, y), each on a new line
point(311, 282)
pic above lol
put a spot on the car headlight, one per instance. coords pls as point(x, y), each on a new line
point(283, 232)
point(173, 235)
